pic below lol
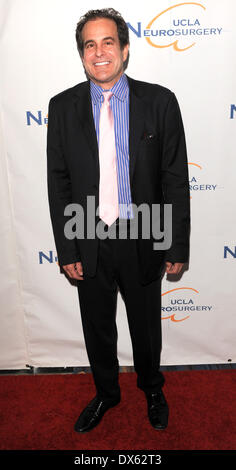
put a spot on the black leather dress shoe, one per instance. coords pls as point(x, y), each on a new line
point(93, 413)
point(158, 410)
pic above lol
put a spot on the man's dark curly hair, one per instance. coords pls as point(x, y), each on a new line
point(111, 14)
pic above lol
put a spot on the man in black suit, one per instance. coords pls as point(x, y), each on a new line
point(151, 166)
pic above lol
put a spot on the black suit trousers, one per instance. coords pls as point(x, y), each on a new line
point(117, 268)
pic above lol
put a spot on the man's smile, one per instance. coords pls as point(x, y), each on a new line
point(98, 64)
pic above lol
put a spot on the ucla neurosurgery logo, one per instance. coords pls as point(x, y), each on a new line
point(181, 303)
point(178, 27)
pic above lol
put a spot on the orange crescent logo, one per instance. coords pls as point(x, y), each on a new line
point(195, 164)
point(175, 43)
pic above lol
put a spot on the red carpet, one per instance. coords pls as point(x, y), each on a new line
point(38, 412)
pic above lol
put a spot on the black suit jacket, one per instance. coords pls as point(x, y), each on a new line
point(158, 170)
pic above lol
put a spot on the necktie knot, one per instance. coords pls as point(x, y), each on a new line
point(107, 96)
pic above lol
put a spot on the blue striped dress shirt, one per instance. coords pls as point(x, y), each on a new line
point(120, 107)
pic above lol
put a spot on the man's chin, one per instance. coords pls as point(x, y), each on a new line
point(104, 81)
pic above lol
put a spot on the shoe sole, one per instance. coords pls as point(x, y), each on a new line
point(160, 428)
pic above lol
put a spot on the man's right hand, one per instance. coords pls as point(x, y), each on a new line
point(74, 270)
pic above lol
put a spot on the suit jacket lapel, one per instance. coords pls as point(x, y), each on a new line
point(84, 112)
point(136, 123)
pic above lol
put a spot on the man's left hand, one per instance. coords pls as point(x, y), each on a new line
point(173, 268)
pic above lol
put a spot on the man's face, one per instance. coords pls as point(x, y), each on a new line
point(103, 58)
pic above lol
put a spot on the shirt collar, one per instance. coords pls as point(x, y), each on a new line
point(119, 90)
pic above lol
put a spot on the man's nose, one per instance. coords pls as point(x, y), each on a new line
point(99, 50)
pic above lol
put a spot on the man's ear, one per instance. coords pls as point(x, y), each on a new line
point(125, 52)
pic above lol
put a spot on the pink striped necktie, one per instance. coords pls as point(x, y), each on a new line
point(108, 188)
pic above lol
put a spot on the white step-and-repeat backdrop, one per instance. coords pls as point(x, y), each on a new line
point(188, 47)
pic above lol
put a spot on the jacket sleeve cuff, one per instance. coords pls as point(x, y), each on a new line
point(68, 258)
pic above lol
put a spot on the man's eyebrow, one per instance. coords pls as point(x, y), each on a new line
point(92, 40)
point(88, 41)
point(108, 37)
